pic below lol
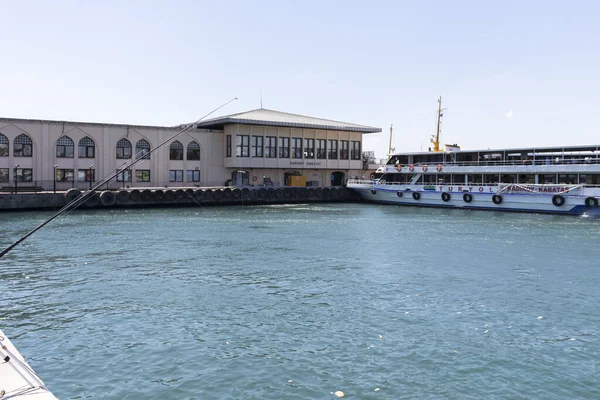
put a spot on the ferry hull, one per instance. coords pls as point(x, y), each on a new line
point(515, 202)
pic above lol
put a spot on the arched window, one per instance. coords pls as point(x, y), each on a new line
point(87, 148)
point(4, 145)
point(124, 149)
point(142, 149)
point(23, 146)
point(64, 147)
point(193, 151)
point(176, 151)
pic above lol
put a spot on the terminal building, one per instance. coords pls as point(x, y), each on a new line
point(256, 148)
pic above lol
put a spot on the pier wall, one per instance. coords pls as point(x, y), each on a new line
point(176, 197)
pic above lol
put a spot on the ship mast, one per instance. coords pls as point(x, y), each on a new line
point(390, 146)
point(435, 140)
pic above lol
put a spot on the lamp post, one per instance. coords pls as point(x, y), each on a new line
point(54, 186)
point(90, 175)
point(15, 177)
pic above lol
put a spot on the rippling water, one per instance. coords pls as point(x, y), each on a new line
point(300, 301)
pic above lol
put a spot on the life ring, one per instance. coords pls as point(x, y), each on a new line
point(558, 200)
point(411, 168)
point(372, 176)
point(438, 168)
point(254, 179)
point(446, 197)
point(424, 168)
point(398, 167)
point(399, 194)
point(591, 202)
point(416, 195)
point(467, 197)
point(497, 199)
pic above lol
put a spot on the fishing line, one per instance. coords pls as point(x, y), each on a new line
point(78, 201)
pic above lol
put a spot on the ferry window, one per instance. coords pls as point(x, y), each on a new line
point(192, 176)
point(176, 175)
point(476, 179)
point(344, 149)
point(284, 147)
point(296, 148)
point(271, 147)
point(124, 149)
point(4, 143)
point(589, 179)
point(568, 178)
point(526, 178)
point(4, 175)
point(257, 146)
point(355, 154)
point(443, 178)
point(65, 147)
point(309, 148)
point(228, 145)
point(176, 151)
point(24, 175)
point(142, 175)
point(193, 151)
point(23, 146)
point(321, 151)
point(508, 178)
point(491, 178)
point(547, 179)
point(65, 175)
point(429, 179)
point(86, 148)
point(86, 175)
point(332, 154)
point(142, 150)
point(242, 146)
point(458, 179)
point(124, 176)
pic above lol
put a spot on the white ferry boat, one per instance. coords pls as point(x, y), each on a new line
point(556, 180)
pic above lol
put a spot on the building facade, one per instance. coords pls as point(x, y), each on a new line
point(260, 147)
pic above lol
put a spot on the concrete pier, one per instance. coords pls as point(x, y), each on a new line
point(177, 197)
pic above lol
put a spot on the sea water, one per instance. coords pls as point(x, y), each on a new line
point(303, 301)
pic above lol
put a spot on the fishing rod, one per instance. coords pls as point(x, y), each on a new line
point(79, 200)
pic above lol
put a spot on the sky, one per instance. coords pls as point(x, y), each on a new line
point(510, 73)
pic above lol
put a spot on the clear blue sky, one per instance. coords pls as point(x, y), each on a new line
point(511, 73)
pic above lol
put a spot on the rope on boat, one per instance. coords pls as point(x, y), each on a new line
point(89, 193)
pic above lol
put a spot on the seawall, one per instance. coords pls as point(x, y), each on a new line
point(163, 197)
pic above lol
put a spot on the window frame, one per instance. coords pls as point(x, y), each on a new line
point(142, 175)
point(309, 148)
point(296, 147)
point(142, 149)
point(121, 145)
point(65, 147)
point(195, 175)
point(332, 149)
point(22, 146)
point(175, 175)
point(344, 149)
point(176, 151)
point(64, 175)
point(258, 146)
point(284, 147)
point(195, 149)
point(321, 150)
point(85, 148)
point(354, 151)
point(242, 145)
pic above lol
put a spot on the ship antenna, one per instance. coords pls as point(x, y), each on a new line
point(390, 147)
point(435, 140)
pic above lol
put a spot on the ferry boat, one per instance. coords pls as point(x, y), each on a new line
point(555, 180)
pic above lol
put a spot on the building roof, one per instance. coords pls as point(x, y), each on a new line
point(263, 116)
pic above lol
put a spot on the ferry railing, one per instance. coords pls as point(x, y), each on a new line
point(528, 162)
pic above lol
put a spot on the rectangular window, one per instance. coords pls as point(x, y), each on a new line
point(257, 146)
point(271, 147)
point(296, 147)
point(284, 147)
point(228, 145)
point(242, 146)
point(321, 151)
point(4, 177)
point(22, 150)
point(309, 148)
point(176, 175)
point(344, 144)
point(124, 176)
point(333, 149)
point(24, 175)
point(355, 153)
point(64, 151)
point(3, 149)
point(192, 176)
point(142, 175)
point(86, 151)
point(86, 175)
point(65, 175)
